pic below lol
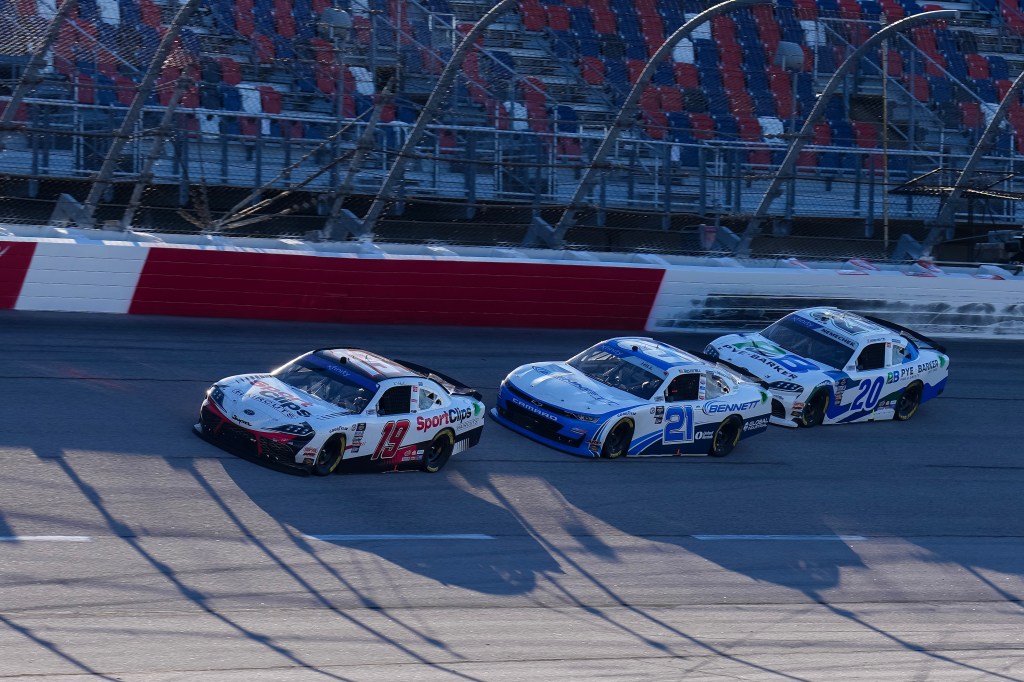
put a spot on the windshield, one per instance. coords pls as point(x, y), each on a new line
point(600, 365)
point(330, 381)
point(800, 340)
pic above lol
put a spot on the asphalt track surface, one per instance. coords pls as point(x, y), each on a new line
point(900, 558)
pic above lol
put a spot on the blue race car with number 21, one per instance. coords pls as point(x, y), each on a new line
point(633, 396)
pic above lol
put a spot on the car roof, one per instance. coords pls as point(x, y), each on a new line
point(661, 355)
point(375, 367)
point(850, 325)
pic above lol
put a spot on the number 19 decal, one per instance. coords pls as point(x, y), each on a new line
point(678, 424)
point(391, 439)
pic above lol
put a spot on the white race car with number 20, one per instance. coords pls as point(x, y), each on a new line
point(830, 366)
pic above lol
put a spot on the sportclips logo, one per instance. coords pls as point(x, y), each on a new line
point(452, 416)
point(282, 399)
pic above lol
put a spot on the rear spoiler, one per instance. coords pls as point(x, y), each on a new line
point(927, 342)
point(451, 385)
point(742, 371)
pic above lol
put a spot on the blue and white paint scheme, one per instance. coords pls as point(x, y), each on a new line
point(830, 366)
point(633, 396)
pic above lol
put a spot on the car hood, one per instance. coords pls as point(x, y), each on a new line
point(558, 384)
point(766, 360)
point(263, 402)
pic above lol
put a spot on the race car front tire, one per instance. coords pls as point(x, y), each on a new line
point(813, 413)
point(439, 452)
point(910, 400)
point(618, 440)
point(329, 457)
point(726, 436)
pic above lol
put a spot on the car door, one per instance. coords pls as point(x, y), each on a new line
point(683, 412)
point(389, 436)
point(866, 385)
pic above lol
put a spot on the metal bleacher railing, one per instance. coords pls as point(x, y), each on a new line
point(309, 104)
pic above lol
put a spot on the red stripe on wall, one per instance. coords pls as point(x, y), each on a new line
point(238, 284)
point(15, 259)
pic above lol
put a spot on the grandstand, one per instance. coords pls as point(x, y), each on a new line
point(285, 115)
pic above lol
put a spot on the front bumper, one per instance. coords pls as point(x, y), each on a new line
point(543, 425)
point(217, 429)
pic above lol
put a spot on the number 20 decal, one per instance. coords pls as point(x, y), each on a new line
point(391, 439)
point(870, 392)
point(678, 424)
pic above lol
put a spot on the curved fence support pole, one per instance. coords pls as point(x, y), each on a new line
point(788, 163)
point(437, 97)
point(102, 181)
point(542, 233)
point(146, 174)
point(947, 212)
point(30, 76)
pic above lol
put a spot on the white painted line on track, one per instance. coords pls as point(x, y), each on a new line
point(400, 536)
point(45, 538)
point(812, 538)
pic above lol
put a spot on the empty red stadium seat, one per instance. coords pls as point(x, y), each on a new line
point(703, 126)
point(231, 72)
point(671, 98)
point(592, 70)
point(558, 18)
point(977, 66)
point(970, 115)
point(634, 67)
point(865, 134)
point(270, 99)
point(686, 75)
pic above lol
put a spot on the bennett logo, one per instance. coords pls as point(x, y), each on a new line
point(452, 416)
point(713, 408)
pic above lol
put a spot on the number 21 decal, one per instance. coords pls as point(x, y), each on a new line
point(678, 424)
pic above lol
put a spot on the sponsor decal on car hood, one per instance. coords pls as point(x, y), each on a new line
point(560, 385)
point(768, 361)
point(261, 401)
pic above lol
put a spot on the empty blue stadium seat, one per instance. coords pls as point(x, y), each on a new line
point(986, 90)
point(588, 47)
point(562, 44)
point(664, 74)
point(566, 119)
point(998, 68)
point(636, 49)
point(941, 92)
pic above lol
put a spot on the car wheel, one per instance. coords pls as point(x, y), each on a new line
point(814, 409)
point(617, 442)
point(439, 452)
point(910, 400)
point(329, 457)
point(726, 436)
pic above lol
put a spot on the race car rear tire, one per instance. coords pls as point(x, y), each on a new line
point(329, 457)
point(910, 400)
point(438, 452)
point(813, 413)
point(726, 436)
point(618, 440)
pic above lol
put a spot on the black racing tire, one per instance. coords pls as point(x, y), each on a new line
point(618, 440)
point(438, 452)
point(329, 457)
point(909, 401)
point(726, 436)
point(813, 413)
